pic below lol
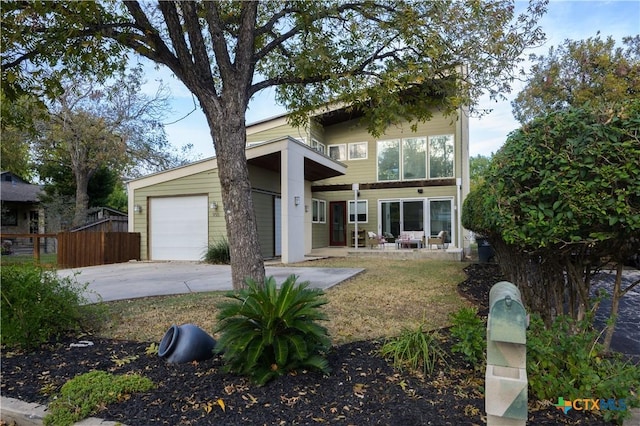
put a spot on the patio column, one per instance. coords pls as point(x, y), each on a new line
point(293, 202)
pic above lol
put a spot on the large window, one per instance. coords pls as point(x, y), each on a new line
point(441, 156)
point(389, 160)
point(362, 211)
point(318, 211)
point(415, 158)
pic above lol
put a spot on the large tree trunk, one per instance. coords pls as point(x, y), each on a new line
point(228, 131)
point(82, 199)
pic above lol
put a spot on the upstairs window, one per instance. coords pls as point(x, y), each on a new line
point(440, 156)
point(358, 151)
point(320, 147)
point(338, 152)
point(416, 158)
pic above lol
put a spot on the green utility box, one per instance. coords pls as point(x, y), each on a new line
point(506, 375)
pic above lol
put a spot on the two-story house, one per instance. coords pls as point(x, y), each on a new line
point(409, 179)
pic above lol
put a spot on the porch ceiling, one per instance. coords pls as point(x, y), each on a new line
point(312, 170)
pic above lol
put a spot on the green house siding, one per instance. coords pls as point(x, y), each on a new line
point(366, 171)
point(277, 132)
point(266, 186)
point(320, 234)
point(263, 205)
point(264, 180)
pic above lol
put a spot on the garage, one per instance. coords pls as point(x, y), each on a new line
point(178, 227)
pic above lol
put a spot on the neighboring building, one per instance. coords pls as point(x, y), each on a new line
point(302, 180)
point(103, 219)
point(21, 210)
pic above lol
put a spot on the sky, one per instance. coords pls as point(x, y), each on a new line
point(574, 20)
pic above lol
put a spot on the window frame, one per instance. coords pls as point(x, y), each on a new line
point(452, 138)
point(400, 160)
point(315, 143)
point(343, 150)
point(321, 216)
point(353, 144)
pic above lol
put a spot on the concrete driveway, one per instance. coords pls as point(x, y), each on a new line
point(142, 279)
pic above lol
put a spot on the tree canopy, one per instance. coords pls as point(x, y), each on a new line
point(92, 126)
point(593, 71)
point(394, 59)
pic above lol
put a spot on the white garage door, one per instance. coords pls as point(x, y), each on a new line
point(178, 228)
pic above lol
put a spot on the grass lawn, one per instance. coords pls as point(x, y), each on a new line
point(48, 259)
point(387, 297)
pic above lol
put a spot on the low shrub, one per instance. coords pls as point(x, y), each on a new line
point(470, 336)
point(566, 361)
point(266, 332)
point(414, 349)
point(37, 306)
point(218, 252)
point(84, 395)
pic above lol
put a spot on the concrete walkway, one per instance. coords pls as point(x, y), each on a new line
point(143, 279)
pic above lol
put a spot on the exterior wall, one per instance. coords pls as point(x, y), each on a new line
point(277, 132)
point(365, 171)
point(266, 186)
point(263, 205)
point(264, 180)
point(205, 182)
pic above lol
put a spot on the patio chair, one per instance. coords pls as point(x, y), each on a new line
point(439, 240)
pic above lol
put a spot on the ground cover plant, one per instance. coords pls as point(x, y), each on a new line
point(87, 393)
point(362, 388)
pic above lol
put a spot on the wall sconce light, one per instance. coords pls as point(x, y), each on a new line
point(137, 208)
point(213, 205)
point(420, 190)
point(296, 200)
point(306, 209)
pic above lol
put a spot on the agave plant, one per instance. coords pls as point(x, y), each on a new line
point(266, 332)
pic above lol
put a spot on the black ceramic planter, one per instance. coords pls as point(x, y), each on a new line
point(186, 343)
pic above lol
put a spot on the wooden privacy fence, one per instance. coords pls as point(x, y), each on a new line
point(78, 249)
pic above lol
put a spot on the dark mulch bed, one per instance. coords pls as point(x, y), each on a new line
point(362, 389)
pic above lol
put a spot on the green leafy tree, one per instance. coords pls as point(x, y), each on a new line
point(17, 130)
point(394, 60)
point(99, 128)
point(562, 196)
point(478, 166)
point(591, 71)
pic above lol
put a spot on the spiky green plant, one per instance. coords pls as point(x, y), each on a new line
point(218, 252)
point(415, 349)
point(266, 332)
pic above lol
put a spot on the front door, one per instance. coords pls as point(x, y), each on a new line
point(337, 223)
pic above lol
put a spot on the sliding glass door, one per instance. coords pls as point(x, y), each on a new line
point(431, 216)
point(440, 217)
